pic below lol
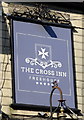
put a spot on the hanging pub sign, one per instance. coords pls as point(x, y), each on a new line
point(42, 54)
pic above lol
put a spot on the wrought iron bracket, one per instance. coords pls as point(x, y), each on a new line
point(41, 13)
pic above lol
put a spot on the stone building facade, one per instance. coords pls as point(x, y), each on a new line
point(77, 20)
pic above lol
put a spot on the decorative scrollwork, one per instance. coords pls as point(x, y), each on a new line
point(42, 13)
point(52, 64)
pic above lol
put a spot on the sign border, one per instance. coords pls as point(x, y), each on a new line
point(37, 107)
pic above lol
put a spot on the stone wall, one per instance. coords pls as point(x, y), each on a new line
point(0, 52)
point(5, 63)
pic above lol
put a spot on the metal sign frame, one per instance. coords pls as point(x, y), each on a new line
point(16, 105)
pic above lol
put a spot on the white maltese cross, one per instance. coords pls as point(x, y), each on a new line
point(43, 53)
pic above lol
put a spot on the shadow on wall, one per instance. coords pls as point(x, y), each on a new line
point(83, 61)
point(5, 37)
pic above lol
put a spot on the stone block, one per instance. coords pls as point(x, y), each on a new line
point(79, 68)
point(78, 53)
point(78, 38)
point(78, 46)
point(6, 101)
point(79, 92)
point(79, 76)
point(78, 61)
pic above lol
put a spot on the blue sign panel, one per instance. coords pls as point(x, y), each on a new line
point(40, 58)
